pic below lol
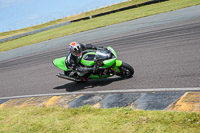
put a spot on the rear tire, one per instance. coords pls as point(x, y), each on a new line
point(127, 70)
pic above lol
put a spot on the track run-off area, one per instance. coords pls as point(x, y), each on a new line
point(164, 55)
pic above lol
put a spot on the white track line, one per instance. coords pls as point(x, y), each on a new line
point(109, 91)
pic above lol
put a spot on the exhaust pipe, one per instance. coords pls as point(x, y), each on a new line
point(67, 77)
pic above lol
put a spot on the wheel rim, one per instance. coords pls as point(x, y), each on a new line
point(125, 72)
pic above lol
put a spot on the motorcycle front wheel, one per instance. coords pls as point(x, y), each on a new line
point(126, 70)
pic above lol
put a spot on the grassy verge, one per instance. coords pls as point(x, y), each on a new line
point(65, 19)
point(88, 119)
point(99, 22)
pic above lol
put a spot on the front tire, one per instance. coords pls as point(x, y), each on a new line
point(126, 70)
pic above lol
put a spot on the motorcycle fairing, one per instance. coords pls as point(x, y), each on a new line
point(112, 50)
point(88, 59)
point(114, 63)
point(60, 63)
point(108, 63)
point(116, 66)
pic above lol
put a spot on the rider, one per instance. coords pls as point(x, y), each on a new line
point(74, 56)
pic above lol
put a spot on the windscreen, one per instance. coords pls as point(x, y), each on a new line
point(102, 54)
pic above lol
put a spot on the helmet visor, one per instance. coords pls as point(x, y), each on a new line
point(77, 52)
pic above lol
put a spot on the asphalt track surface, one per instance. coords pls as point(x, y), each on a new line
point(163, 56)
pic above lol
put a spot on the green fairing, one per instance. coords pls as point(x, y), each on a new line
point(108, 63)
point(114, 63)
point(117, 65)
point(60, 63)
point(112, 50)
point(86, 62)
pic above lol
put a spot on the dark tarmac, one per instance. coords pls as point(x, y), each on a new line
point(163, 56)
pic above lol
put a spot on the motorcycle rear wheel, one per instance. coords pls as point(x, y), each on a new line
point(127, 70)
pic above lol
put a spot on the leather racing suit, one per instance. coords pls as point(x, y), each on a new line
point(73, 62)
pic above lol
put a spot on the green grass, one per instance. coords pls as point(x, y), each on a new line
point(99, 22)
point(87, 119)
point(65, 19)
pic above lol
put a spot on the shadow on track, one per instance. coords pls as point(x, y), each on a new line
point(73, 86)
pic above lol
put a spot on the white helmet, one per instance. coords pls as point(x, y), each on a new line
point(75, 49)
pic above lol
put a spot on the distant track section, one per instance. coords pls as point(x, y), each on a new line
point(34, 32)
point(76, 20)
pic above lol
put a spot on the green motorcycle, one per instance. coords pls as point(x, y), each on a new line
point(105, 61)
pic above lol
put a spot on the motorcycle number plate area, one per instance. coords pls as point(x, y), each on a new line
point(60, 63)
